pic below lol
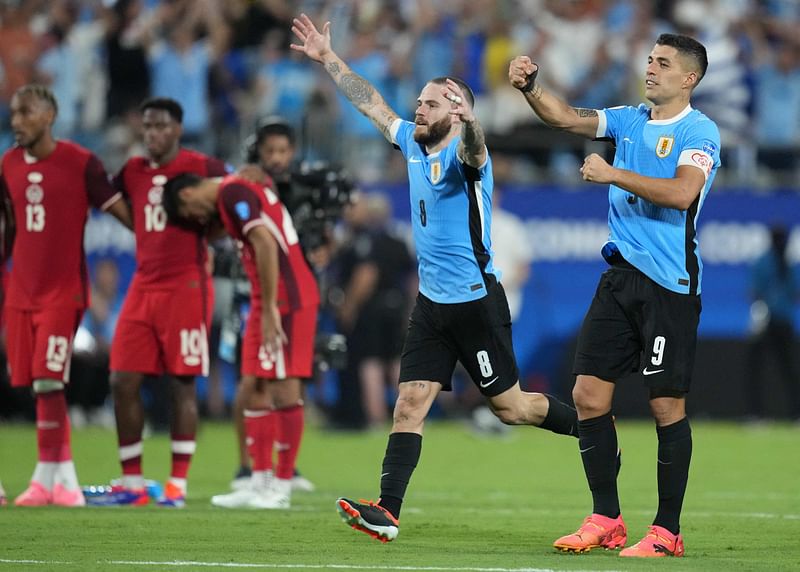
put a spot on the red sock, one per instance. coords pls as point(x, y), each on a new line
point(130, 456)
point(52, 427)
point(183, 447)
point(259, 428)
point(290, 433)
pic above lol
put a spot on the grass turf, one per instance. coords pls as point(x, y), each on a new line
point(474, 503)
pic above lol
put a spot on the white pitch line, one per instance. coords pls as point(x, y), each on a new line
point(270, 566)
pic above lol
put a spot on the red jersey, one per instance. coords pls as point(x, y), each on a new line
point(244, 205)
point(51, 199)
point(165, 253)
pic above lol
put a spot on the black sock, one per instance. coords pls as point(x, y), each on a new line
point(597, 439)
point(674, 455)
point(561, 418)
point(400, 460)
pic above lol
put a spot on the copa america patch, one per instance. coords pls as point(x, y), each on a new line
point(242, 209)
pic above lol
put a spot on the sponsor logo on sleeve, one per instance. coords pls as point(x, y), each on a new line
point(242, 210)
point(709, 148)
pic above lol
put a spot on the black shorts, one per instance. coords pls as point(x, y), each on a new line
point(634, 325)
point(477, 333)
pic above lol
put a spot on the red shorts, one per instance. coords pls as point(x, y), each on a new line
point(39, 343)
point(295, 359)
point(162, 331)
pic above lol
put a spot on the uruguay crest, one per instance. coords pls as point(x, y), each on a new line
point(664, 145)
point(436, 171)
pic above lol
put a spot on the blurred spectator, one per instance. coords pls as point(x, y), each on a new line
point(512, 253)
point(57, 68)
point(777, 107)
point(376, 270)
point(88, 387)
point(775, 288)
point(180, 63)
point(128, 31)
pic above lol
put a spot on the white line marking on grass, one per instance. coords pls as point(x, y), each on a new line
point(334, 566)
point(271, 566)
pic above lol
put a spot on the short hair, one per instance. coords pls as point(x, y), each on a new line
point(40, 92)
point(272, 125)
point(460, 82)
point(687, 46)
point(164, 104)
point(171, 198)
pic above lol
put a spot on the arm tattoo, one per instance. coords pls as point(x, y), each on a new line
point(583, 112)
point(332, 68)
point(473, 139)
point(356, 89)
point(536, 92)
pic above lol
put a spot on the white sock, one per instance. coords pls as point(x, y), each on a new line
point(66, 475)
point(45, 474)
point(135, 482)
point(260, 480)
point(180, 483)
point(282, 487)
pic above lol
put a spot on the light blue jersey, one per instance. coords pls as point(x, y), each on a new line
point(451, 219)
point(659, 241)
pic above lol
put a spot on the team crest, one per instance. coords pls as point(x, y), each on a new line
point(436, 171)
point(664, 145)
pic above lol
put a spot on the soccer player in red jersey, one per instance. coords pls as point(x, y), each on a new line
point(163, 324)
point(51, 185)
point(278, 344)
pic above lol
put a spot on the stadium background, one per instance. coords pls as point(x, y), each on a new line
point(228, 64)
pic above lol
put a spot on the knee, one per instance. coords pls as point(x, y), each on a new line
point(588, 403)
point(409, 412)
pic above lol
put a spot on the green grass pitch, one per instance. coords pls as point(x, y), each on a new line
point(474, 504)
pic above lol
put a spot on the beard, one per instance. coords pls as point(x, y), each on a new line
point(436, 132)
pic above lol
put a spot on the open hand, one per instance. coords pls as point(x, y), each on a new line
point(459, 105)
point(315, 44)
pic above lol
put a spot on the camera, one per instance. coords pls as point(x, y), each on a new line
point(315, 196)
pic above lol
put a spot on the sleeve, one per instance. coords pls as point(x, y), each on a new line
point(701, 147)
point(118, 181)
point(98, 186)
point(400, 133)
point(242, 207)
point(612, 120)
point(217, 168)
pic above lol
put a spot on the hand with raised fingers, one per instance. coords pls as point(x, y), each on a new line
point(316, 45)
point(459, 104)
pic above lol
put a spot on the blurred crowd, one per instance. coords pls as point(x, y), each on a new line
point(228, 63)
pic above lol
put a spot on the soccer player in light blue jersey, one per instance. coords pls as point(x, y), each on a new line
point(461, 312)
point(645, 312)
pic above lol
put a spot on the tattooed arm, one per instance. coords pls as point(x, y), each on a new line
point(359, 91)
point(552, 110)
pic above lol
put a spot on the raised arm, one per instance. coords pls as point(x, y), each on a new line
point(472, 147)
point(550, 109)
point(359, 91)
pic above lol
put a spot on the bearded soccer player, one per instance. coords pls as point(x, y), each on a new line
point(163, 324)
point(51, 185)
point(646, 309)
point(278, 344)
point(461, 313)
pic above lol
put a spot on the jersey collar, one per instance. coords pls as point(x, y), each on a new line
point(686, 111)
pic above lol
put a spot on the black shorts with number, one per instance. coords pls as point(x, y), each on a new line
point(476, 333)
point(635, 324)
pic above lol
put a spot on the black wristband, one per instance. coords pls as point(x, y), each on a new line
point(528, 87)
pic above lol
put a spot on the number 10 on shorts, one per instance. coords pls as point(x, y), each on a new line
point(192, 346)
